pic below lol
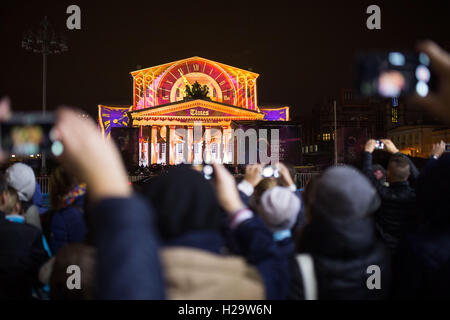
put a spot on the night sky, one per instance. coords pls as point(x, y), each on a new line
point(303, 50)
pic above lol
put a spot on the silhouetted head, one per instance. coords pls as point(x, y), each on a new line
point(398, 169)
point(184, 201)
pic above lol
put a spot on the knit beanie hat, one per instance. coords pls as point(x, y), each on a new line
point(21, 178)
point(279, 208)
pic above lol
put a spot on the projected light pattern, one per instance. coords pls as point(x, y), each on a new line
point(278, 114)
point(111, 117)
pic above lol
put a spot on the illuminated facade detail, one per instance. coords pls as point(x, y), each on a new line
point(111, 117)
point(276, 114)
point(167, 117)
point(166, 83)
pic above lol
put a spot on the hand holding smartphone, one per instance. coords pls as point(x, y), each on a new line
point(26, 134)
point(394, 74)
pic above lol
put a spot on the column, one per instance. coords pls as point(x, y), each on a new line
point(225, 142)
point(189, 143)
point(207, 157)
point(154, 141)
point(167, 153)
point(172, 145)
point(198, 141)
point(255, 100)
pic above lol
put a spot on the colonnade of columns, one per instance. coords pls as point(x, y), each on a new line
point(180, 144)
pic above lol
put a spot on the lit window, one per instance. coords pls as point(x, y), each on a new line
point(394, 115)
point(316, 148)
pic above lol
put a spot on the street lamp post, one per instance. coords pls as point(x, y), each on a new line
point(45, 41)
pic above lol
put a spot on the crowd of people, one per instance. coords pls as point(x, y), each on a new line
point(368, 233)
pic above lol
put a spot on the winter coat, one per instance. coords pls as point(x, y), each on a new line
point(21, 255)
point(342, 253)
point(398, 213)
point(67, 225)
point(193, 274)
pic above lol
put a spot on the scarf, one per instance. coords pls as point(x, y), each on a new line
point(73, 194)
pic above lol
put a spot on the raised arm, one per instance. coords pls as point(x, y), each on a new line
point(254, 239)
point(127, 260)
point(367, 168)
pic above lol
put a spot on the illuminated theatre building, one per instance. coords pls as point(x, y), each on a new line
point(166, 115)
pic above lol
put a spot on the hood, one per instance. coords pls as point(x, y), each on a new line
point(184, 201)
point(343, 193)
point(192, 274)
point(21, 178)
point(347, 239)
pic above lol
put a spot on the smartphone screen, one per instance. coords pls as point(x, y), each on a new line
point(27, 134)
point(394, 74)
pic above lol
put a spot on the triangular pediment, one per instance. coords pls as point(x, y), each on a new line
point(198, 109)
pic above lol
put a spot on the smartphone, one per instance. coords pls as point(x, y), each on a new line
point(26, 134)
point(447, 147)
point(270, 171)
point(394, 74)
point(379, 145)
point(208, 171)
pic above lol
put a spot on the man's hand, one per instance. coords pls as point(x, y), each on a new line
point(285, 176)
point(253, 174)
point(88, 156)
point(389, 146)
point(438, 103)
point(438, 149)
point(226, 190)
point(370, 146)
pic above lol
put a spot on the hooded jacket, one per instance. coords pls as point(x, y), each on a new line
point(341, 238)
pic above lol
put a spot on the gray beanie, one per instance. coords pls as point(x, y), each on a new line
point(279, 208)
point(21, 178)
point(343, 193)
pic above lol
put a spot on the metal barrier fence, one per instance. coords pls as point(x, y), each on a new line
point(45, 186)
point(301, 180)
point(44, 183)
